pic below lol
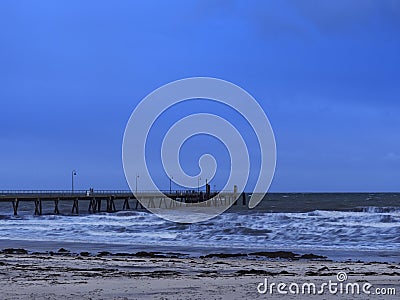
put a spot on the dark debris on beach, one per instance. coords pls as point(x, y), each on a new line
point(144, 254)
point(270, 255)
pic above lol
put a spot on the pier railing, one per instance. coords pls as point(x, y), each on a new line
point(94, 192)
point(63, 192)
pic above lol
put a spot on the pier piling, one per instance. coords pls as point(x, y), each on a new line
point(38, 207)
point(56, 210)
point(75, 206)
point(15, 206)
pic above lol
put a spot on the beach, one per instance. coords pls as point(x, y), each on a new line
point(149, 275)
point(291, 239)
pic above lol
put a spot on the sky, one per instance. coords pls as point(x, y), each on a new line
point(326, 73)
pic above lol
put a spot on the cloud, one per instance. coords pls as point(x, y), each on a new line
point(391, 156)
point(304, 19)
point(349, 17)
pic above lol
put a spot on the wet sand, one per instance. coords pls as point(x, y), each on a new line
point(150, 275)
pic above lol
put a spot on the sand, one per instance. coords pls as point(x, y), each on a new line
point(62, 275)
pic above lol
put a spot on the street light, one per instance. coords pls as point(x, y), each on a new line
point(72, 177)
point(198, 184)
point(137, 177)
point(170, 184)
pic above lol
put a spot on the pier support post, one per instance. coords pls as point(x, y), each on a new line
point(56, 211)
point(15, 206)
point(92, 205)
point(138, 203)
point(38, 207)
point(98, 202)
point(75, 206)
point(110, 205)
point(126, 204)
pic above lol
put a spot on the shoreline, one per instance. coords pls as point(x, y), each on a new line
point(336, 255)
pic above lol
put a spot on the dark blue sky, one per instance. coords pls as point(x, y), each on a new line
point(327, 73)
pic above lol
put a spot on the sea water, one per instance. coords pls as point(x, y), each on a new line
point(331, 223)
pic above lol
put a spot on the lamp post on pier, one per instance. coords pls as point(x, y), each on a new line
point(170, 184)
point(137, 177)
point(72, 178)
point(198, 185)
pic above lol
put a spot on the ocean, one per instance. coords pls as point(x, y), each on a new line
point(339, 225)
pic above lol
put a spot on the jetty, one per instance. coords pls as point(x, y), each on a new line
point(94, 200)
